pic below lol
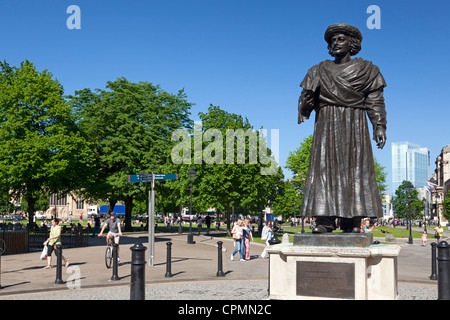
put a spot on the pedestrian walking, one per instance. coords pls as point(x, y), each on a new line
point(97, 225)
point(247, 236)
point(51, 242)
point(237, 232)
point(438, 232)
point(208, 223)
point(424, 238)
point(266, 235)
point(199, 224)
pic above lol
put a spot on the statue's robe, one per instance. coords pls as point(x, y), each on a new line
point(341, 180)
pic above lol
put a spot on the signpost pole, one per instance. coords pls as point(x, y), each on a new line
point(146, 177)
point(151, 227)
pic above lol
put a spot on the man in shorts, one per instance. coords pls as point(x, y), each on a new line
point(114, 230)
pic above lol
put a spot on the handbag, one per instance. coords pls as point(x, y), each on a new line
point(44, 253)
point(436, 234)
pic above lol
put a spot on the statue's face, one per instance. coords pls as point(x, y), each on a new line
point(340, 44)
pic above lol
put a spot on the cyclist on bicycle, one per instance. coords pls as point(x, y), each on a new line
point(114, 230)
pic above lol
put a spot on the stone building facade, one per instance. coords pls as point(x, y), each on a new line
point(441, 178)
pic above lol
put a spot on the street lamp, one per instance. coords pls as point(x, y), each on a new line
point(425, 213)
point(409, 188)
point(437, 199)
point(295, 218)
point(191, 175)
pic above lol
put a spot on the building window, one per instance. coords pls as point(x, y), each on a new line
point(80, 204)
point(58, 200)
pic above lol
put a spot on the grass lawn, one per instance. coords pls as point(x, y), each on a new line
point(396, 232)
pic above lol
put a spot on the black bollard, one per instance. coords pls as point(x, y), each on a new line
point(443, 270)
point(115, 275)
point(169, 260)
point(137, 285)
point(219, 259)
point(2, 250)
point(1, 270)
point(59, 264)
point(433, 261)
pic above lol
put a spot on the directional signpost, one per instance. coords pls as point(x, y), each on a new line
point(151, 177)
point(147, 177)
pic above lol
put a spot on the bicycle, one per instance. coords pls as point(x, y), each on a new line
point(109, 252)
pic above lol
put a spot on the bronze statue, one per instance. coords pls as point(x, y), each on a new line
point(341, 181)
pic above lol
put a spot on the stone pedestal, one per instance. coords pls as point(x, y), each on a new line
point(333, 266)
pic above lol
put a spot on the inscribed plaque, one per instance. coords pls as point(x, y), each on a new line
point(326, 279)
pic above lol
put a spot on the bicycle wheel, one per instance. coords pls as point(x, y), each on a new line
point(108, 256)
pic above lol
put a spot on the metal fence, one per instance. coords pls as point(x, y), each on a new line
point(16, 241)
point(69, 239)
point(19, 241)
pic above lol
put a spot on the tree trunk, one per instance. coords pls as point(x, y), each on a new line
point(112, 203)
point(128, 209)
point(228, 214)
point(31, 207)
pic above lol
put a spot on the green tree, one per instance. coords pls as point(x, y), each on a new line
point(380, 173)
point(446, 206)
point(130, 126)
point(405, 203)
point(226, 182)
point(41, 204)
point(288, 198)
point(298, 161)
point(42, 148)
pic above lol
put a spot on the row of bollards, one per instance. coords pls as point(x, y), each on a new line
point(443, 268)
point(169, 274)
point(137, 283)
point(137, 288)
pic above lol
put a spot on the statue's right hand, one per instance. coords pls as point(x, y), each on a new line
point(305, 105)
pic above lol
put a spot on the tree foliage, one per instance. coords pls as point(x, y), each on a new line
point(129, 126)
point(405, 203)
point(380, 173)
point(298, 160)
point(42, 149)
point(220, 184)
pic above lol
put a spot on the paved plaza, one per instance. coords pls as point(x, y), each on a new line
point(194, 268)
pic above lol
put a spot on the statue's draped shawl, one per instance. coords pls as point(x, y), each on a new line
point(341, 179)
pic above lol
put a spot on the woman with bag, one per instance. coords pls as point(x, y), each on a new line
point(52, 241)
point(438, 232)
point(238, 239)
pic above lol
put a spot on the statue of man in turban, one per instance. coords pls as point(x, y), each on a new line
point(341, 182)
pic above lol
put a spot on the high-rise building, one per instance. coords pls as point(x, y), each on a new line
point(410, 162)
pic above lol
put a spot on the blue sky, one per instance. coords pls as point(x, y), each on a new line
point(247, 57)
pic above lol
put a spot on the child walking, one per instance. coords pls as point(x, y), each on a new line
point(424, 238)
